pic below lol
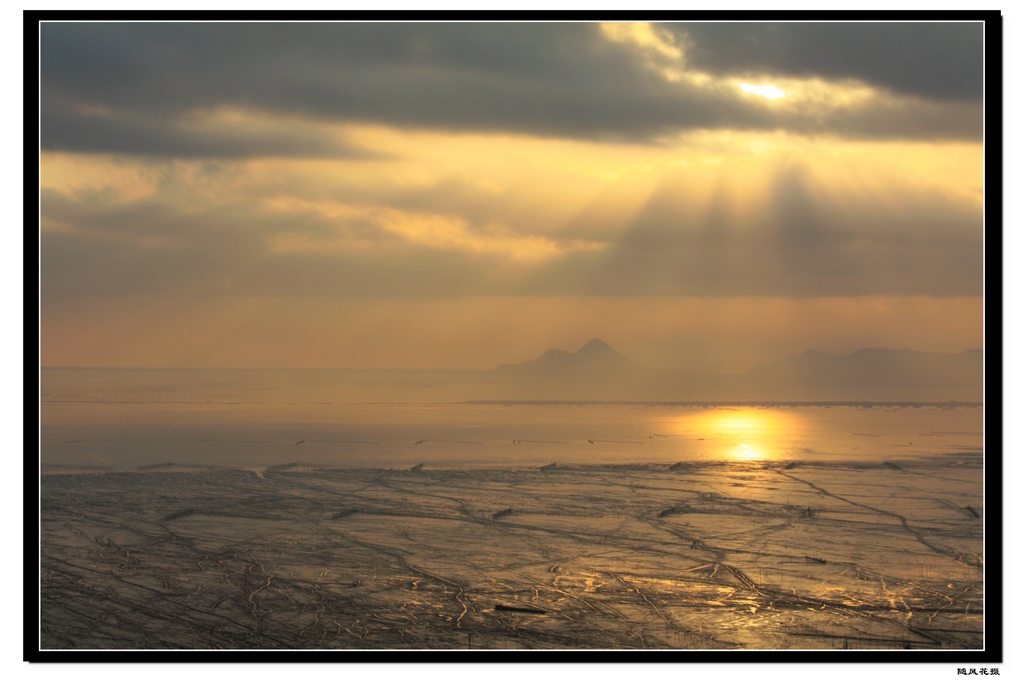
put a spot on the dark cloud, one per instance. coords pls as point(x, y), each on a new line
point(562, 80)
point(145, 247)
point(94, 265)
point(935, 60)
point(157, 135)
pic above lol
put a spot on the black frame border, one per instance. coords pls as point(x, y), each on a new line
point(994, 389)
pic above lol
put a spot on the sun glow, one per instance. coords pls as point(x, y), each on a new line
point(746, 452)
point(747, 434)
point(766, 91)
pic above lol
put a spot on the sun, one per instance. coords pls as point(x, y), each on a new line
point(766, 91)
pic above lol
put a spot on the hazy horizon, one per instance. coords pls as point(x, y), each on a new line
point(676, 368)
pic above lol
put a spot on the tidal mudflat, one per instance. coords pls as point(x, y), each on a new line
point(299, 510)
point(704, 554)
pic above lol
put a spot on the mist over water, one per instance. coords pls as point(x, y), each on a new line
point(124, 419)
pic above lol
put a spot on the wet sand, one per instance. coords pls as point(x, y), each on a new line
point(703, 555)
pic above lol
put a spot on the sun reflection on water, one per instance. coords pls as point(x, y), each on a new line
point(747, 452)
point(744, 434)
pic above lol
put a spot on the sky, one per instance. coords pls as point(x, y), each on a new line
point(703, 196)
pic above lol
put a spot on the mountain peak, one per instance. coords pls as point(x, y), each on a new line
point(595, 358)
point(596, 343)
point(596, 346)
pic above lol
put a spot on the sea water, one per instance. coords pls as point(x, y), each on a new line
point(125, 419)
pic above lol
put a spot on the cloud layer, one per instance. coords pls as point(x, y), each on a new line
point(137, 88)
point(715, 216)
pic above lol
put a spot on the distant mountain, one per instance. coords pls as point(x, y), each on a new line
point(598, 372)
point(596, 359)
point(879, 368)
